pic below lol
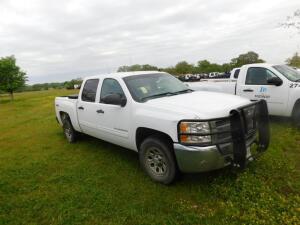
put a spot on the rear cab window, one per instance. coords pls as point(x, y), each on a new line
point(89, 90)
point(236, 74)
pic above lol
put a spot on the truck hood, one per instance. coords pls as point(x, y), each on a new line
point(199, 104)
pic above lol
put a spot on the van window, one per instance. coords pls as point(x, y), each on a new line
point(89, 90)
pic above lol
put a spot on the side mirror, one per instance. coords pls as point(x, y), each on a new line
point(275, 81)
point(114, 99)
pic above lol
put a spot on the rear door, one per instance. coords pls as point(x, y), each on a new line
point(256, 87)
point(86, 107)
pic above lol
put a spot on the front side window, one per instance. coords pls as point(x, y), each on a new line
point(258, 76)
point(110, 86)
point(145, 87)
point(288, 72)
point(89, 90)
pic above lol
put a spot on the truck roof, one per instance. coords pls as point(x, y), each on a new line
point(123, 74)
point(260, 64)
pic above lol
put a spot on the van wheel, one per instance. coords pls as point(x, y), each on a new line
point(69, 131)
point(157, 160)
point(296, 116)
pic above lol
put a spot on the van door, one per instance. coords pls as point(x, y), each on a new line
point(256, 87)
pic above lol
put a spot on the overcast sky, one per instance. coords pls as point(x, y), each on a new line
point(60, 40)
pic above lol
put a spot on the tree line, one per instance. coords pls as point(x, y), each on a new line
point(202, 66)
point(13, 78)
point(53, 85)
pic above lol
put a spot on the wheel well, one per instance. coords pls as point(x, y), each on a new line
point(63, 115)
point(142, 133)
point(296, 106)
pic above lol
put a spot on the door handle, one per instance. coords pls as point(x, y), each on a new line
point(81, 107)
point(247, 90)
point(100, 111)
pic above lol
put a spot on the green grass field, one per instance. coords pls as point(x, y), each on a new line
point(46, 180)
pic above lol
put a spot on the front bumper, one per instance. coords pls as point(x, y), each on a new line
point(234, 152)
point(200, 159)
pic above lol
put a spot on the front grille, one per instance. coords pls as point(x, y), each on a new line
point(222, 128)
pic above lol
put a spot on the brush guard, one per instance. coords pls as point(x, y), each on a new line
point(240, 132)
point(244, 130)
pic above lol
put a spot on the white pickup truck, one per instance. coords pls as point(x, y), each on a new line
point(173, 128)
point(279, 85)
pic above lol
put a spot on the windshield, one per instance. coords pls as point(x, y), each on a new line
point(144, 87)
point(288, 72)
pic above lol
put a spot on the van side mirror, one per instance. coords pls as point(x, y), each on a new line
point(114, 99)
point(275, 81)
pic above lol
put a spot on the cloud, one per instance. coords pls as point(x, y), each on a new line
point(61, 40)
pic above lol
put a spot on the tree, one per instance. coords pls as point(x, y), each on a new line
point(148, 67)
point(293, 22)
point(247, 58)
point(137, 67)
point(170, 70)
point(11, 76)
point(183, 68)
point(294, 61)
point(123, 69)
point(227, 67)
point(203, 66)
point(71, 84)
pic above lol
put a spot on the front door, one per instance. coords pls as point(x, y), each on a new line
point(113, 121)
point(256, 87)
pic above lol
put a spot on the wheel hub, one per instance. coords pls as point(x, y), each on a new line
point(156, 161)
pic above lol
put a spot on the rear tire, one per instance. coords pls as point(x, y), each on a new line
point(69, 131)
point(157, 159)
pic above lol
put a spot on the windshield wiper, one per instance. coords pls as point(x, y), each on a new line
point(167, 94)
point(298, 80)
point(183, 91)
point(158, 95)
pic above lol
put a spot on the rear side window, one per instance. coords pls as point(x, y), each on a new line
point(110, 86)
point(236, 73)
point(89, 90)
point(258, 76)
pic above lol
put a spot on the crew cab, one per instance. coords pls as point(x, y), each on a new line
point(279, 85)
point(172, 127)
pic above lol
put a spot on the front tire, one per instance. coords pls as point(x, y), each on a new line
point(157, 159)
point(69, 131)
point(296, 116)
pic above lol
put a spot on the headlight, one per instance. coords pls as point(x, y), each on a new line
point(194, 132)
point(249, 116)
